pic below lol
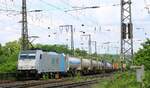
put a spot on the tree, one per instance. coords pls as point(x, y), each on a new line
point(1, 52)
point(79, 52)
point(142, 57)
point(9, 56)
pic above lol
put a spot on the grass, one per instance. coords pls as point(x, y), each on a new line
point(119, 80)
point(45, 77)
point(78, 77)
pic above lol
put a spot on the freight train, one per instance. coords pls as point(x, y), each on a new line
point(36, 63)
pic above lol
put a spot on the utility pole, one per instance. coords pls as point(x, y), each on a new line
point(72, 40)
point(89, 43)
point(90, 47)
point(25, 41)
point(95, 44)
point(117, 49)
point(126, 53)
point(69, 27)
point(107, 48)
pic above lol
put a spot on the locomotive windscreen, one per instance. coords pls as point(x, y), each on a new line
point(27, 55)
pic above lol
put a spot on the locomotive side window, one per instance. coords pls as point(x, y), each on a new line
point(40, 56)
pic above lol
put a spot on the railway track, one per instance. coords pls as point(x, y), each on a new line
point(6, 81)
point(53, 83)
point(24, 84)
point(68, 84)
point(74, 84)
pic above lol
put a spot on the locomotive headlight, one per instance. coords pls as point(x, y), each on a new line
point(32, 67)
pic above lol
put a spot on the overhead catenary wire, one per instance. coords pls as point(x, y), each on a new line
point(75, 17)
point(63, 10)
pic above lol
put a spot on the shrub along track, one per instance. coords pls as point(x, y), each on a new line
point(7, 77)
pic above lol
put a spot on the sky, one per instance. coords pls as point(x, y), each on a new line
point(102, 23)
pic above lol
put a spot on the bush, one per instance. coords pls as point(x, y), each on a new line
point(147, 79)
point(120, 80)
point(142, 57)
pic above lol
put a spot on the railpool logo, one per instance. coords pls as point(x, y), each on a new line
point(55, 60)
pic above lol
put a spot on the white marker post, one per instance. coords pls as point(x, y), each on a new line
point(139, 73)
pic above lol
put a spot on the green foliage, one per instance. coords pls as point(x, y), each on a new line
point(1, 52)
point(82, 53)
point(147, 79)
point(54, 48)
point(45, 77)
point(142, 57)
point(110, 58)
point(8, 56)
point(125, 80)
point(78, 77)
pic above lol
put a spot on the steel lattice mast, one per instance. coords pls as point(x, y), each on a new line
point(25, 41)
point(126, 31)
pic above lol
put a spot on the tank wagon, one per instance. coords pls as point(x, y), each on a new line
point(35, 63)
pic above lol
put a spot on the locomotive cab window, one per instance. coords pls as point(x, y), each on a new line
point(23, 56)
point(27, 56)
